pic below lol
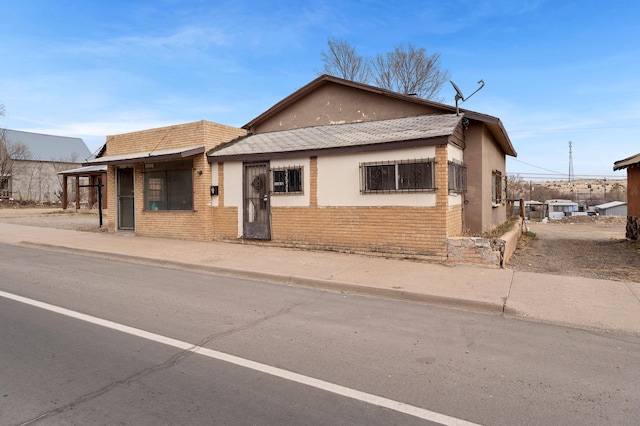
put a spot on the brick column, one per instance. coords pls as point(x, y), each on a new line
point(442, 177)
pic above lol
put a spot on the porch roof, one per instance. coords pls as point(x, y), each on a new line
point(383, 134)
point(85, 171)
point(148, 156)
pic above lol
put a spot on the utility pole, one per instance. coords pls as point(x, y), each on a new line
point(570, 171)
point(570, 164)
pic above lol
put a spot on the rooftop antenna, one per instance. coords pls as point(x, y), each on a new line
point(460, 96)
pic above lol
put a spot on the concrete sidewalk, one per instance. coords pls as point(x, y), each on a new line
point(572, 301)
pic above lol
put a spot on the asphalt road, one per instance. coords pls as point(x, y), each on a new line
point(300, 356)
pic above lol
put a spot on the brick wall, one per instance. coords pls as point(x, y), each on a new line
point(225, 223)
point(196, 224)
point(200, 133)
point(415, 231)
point(454, 221)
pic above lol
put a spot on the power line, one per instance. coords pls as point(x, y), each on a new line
point(538, 167)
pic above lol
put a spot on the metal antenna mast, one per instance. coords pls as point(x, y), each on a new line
point(570, 163)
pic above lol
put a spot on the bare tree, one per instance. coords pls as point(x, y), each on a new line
point(59, 165)
point(410, 71)
point(342, 60)
point(11, 153)
point(405, 70)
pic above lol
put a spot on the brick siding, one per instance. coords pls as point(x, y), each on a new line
point(416, 231)
point(196, 224)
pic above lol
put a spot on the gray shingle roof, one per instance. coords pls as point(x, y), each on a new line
point(343, 135)
point(49, 147)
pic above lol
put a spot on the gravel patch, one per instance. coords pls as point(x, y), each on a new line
point(82, 220)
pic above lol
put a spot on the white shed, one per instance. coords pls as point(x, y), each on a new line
point(613, 208)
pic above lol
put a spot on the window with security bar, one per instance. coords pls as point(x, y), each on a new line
point(287, 180)
point(398, 176)
point(457, 177)
point(496, 187)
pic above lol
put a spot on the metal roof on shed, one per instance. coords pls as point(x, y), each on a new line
point(610, 204)
point(341, 136)
point(49, 147)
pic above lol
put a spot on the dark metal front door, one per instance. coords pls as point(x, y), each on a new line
point(257, 211)
point(125, 199)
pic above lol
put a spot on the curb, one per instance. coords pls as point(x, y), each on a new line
point(316, 283)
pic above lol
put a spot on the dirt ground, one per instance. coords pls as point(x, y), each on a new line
point(590, 247)
point(52, 217)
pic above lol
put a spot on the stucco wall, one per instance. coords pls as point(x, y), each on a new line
point(482, 156)
point(339, 180)
point(335, 104)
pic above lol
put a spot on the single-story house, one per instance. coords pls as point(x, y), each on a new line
point(612, 208)
point(159, 180)
point(339, 165)
point(632, 164)
point(30, 162)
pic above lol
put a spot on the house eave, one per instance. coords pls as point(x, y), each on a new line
point(147, 157)
point(263, 156)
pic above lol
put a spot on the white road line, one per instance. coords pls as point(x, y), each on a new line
point(263, 368)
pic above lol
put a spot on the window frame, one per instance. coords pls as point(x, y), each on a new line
point(401, 179)
point(288, 190)
point(496, 187)
point(457, 172)
point(165, 175)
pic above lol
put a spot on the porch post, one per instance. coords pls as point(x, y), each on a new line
point(64, 192)
point(92, 191)
point(77, 192)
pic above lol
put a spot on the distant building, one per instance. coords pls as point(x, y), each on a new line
point(613, 208)
point(632, 164)
point(30, 162)
point(558, 209)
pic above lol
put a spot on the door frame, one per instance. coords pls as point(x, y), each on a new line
point(120, 196)
point(256, 201)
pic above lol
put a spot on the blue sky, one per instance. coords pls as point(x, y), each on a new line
point(555, 71)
